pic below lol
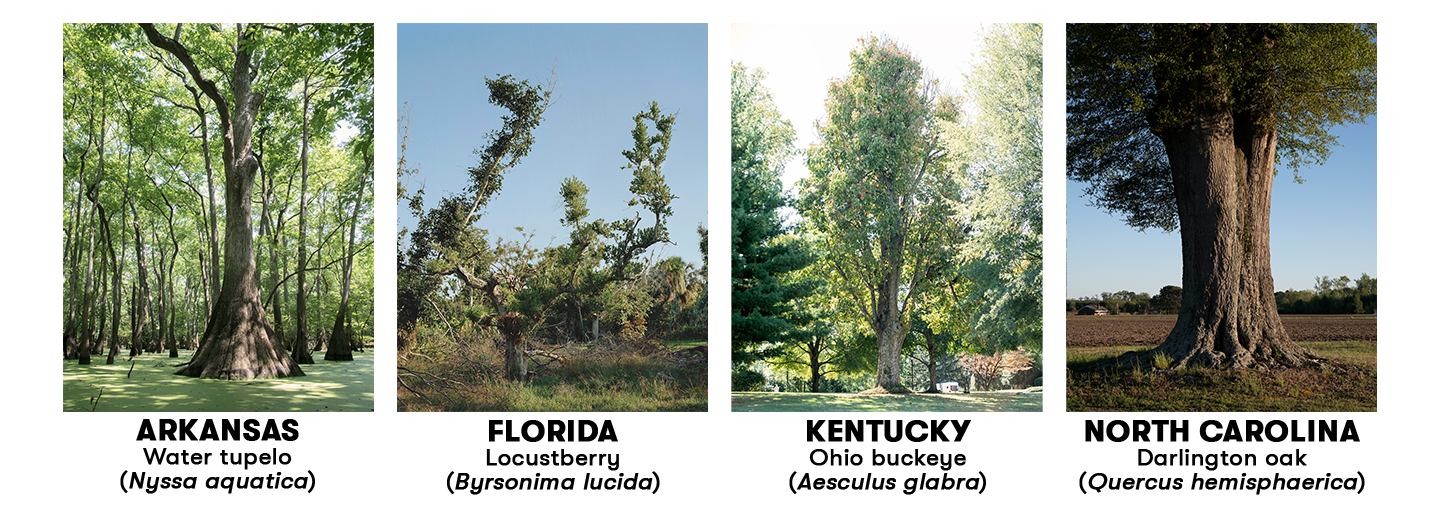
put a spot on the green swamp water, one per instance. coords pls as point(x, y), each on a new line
point(327, 386)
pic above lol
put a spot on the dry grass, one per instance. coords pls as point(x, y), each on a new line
point(604, 376)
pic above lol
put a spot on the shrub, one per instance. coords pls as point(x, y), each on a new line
point(746, 380)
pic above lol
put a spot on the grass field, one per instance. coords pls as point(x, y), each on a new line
point(1348, 386)
point(1003, 401)
point(670, 379)
point(152, 386)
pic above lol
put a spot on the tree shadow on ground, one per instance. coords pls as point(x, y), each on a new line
point(1004, 401)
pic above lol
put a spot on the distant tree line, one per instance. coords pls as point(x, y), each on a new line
point(1329, 296)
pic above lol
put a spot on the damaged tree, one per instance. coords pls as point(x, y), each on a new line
point(1182, 125)
point(444, 237)
point(521, 290)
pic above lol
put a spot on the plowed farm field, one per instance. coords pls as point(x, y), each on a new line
point(1105, 331)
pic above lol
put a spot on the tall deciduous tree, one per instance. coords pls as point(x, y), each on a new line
point(877, 190)
point(761, 142)
point(238, 342)
point(1182, 126)
point(341, 335)
point(1000, 146)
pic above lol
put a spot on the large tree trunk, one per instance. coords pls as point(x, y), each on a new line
point(1222, 165)
point(889, 323)
point(238, 342)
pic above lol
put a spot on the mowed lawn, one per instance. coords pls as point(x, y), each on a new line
point(1003, 401)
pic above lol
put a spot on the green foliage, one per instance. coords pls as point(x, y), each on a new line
point(557, 291)
point(746, 380)
point(1161, 361)
point(1331, 296)
point(876, 194)
point(761, 294)
point(993, 294)
point(648, 183)
point(444, 241)
point(1126, 84)
point(1167, 301)
point(649, 189)
point(138, 129)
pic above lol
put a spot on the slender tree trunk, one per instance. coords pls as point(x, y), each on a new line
point(77, 295)
point(205, 276)
point(301, 350)
point(213, 230)
point(140, 294)
point(169, 298)
point(272, 222)
point(814, 350)
point(932, 350)
point(116, 286)
point(72, 268)
point(340, 334)
point(102, 310)
point(158, 304)
point(191, 338)
point(88, 299)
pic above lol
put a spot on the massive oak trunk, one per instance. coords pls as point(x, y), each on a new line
point(238, 342)
point(1222, 163)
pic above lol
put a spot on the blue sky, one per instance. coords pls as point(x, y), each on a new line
point(606, 73)
point(1324, 227)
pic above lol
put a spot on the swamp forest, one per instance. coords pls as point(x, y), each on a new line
point(218, 217)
